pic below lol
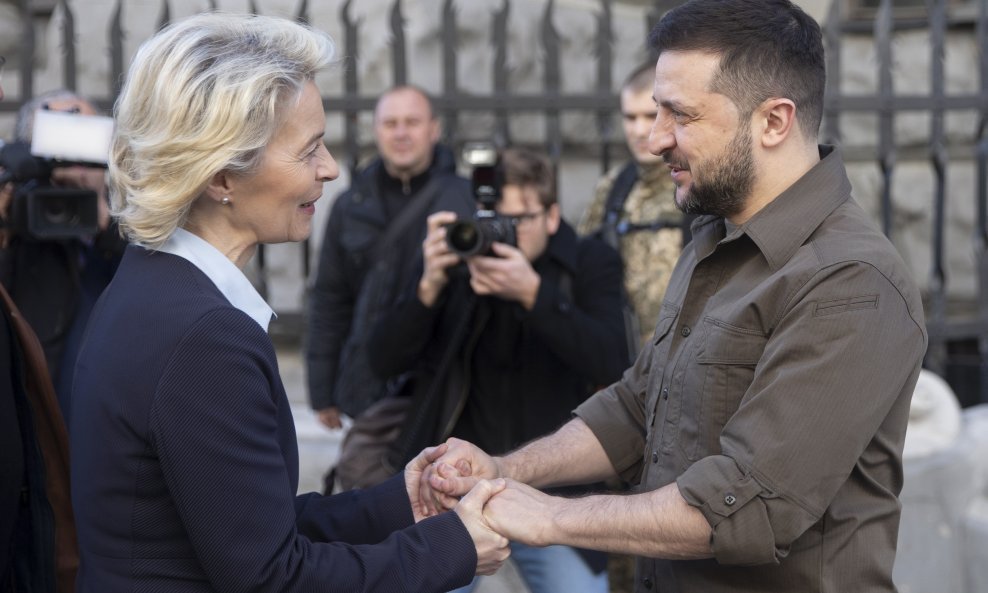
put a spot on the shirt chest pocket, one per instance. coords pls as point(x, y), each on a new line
point(725, 365)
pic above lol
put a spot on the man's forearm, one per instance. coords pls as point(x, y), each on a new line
point(657, 524)
point(571, 455)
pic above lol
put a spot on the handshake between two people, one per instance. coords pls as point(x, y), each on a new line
point(458, 476)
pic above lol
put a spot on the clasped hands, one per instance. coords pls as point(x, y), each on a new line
point(458, 476)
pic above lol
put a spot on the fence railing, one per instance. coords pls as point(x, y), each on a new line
point(886, 102)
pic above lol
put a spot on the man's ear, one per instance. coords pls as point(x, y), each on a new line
point(776, 121)
point(552, 219)
point(436, 129)
point(220, 187)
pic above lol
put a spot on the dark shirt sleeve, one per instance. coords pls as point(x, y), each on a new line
point(330, 312)
point(616, 416)
point(217, 438)
point(587, 331)
point(826, 381)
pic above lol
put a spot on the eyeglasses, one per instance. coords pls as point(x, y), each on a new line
point(519, 219)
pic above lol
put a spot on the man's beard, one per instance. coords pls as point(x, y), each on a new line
point(727, 182)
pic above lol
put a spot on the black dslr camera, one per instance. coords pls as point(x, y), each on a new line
point(475, 236)
point(40, 210)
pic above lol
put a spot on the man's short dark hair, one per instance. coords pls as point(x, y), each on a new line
point(527, 168)
point(415, 89)
point(641, 79)
point(768, 48)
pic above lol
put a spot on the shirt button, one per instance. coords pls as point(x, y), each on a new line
point(665, 393)
point(655, 456)
point(686, 331)
point(730, 499)
point(647, 582)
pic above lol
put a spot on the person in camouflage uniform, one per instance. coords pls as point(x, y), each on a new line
point(649, 226)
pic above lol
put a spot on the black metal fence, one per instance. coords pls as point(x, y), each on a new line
point(958, 342)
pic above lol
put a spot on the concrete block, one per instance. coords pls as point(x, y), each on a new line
point(976, 545)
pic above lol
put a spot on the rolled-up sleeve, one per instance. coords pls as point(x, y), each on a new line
point(841, 361)
point(616, 416)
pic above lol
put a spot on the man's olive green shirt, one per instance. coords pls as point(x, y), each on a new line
point(775, 393)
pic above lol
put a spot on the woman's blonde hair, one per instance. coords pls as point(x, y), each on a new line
point(202, 96)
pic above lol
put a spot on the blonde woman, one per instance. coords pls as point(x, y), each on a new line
point(184, 459)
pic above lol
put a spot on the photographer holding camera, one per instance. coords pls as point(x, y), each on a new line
point(38, 549)
point(502, 349)
point(56, 264)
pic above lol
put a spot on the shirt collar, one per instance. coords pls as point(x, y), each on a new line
point(228, 278)
point(784, 224)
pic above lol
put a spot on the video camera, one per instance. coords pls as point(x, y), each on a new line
point(475, 236)
point(39, 209)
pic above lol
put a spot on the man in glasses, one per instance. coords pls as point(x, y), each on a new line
point(501, 349)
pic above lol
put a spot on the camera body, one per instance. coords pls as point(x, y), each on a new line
point(475, 236)
point(38, 209)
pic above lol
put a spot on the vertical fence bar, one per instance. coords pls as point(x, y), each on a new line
point(165, 16)
point(937, 12)
point(69, 62)
point(398, 45)
point(351, 32)
point(981, 230)
point(553, 83)
point(605, 80)
point(886, 115)
point(252, 6)
point(116, 52)
point(302, 15)
point(502, 130)
point(450, 83)
point(214, 8)
point(831, 102)
point(27, 51)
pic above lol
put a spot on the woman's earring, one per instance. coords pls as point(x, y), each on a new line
point(225, 201)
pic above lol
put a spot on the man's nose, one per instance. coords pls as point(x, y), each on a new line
point(661, 139)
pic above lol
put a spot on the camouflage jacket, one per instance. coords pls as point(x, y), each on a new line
point(649, 256)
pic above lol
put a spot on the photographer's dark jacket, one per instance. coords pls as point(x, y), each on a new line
point(55, 284)
point(486, 370)
point(339, 314)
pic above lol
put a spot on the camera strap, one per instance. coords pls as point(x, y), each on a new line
point(613, 227)
point(409, 215)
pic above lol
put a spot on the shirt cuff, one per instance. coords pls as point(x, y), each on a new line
point(733, 503)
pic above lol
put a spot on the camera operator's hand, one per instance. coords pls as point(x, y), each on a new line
point(437, 256)
point(509, 276)
point(86, 178)
point(330, 417)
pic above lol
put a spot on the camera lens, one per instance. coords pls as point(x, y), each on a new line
point(58, 211)
point(463, 237)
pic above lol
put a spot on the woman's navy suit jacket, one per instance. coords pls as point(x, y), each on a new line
point(185, 463)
